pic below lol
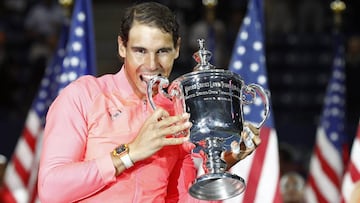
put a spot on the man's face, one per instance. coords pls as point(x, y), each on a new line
point(149, 52)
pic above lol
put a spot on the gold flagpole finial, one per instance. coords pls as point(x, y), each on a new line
point(67, 5)
point(337, 6)
point(210, 3)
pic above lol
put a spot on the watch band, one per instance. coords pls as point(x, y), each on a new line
point(127, 161)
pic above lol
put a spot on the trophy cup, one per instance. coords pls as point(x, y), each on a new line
point(215, 99)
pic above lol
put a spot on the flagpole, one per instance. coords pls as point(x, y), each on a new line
point(350, 188)
point(338, 7)
point(330, 153)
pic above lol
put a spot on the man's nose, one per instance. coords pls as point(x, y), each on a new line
point(152, 62)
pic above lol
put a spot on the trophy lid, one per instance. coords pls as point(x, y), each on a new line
point(202, 57)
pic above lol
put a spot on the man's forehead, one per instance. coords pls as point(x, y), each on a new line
point(149, 37)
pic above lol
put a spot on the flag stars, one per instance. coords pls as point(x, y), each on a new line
point(335, 111)
point(43, 94)
point(335, 99)
point(68, 77)
point(63, 78)
point(337, 87)
point(79, 32)
point(246, 110)
point(338, 62)
point(248, 61)
point(339, 75)
point(241, 50)
point(76, 46)
point(334, 136)
point(237, 65)
point(257, 46)
point(258, 101)
point(45, 82)
point(81, 16)
point(72, 76)
point(74, 61)
point(247, 20)
point(262, 80)
point(254, 67)
point(244, 35)
point(40, 106)
point(66, 62)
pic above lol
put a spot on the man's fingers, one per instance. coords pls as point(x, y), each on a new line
point(253, 129)
point(248, 138)
point(159, 114)
point(235, 147)
point(256, 140)
point(177, 128)
point(173, 120)
point(175, 141)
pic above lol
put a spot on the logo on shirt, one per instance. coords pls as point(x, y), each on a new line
point(114, 114)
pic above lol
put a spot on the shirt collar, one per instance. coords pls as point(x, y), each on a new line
point(123, 85)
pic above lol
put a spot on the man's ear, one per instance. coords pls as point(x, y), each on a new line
point(121, 47)
point(178, 43)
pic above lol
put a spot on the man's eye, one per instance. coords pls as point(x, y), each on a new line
point(163, 51)
point(140, 50)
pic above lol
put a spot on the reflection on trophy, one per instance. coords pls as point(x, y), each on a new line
point(215, 99)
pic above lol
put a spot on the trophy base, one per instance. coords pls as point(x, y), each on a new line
point(217, 186)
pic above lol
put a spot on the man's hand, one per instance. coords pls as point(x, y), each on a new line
point(249, 141)
point(155, 132)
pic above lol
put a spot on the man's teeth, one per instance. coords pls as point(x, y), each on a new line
point(148, 77)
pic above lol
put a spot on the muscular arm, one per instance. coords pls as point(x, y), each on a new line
point(64, 176)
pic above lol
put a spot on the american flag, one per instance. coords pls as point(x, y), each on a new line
point(260, 170)
point(352, 175)
point(74, 57)
point(327, 161)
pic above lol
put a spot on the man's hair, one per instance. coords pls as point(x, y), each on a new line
point(152, 14)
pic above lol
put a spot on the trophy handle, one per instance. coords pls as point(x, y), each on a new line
point(254, 89)
point(163, 83)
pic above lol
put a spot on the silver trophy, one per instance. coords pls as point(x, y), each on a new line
point(215, 99)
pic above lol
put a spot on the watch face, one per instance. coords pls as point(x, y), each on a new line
point(121, 149)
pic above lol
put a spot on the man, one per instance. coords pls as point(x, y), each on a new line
point(102, 140)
